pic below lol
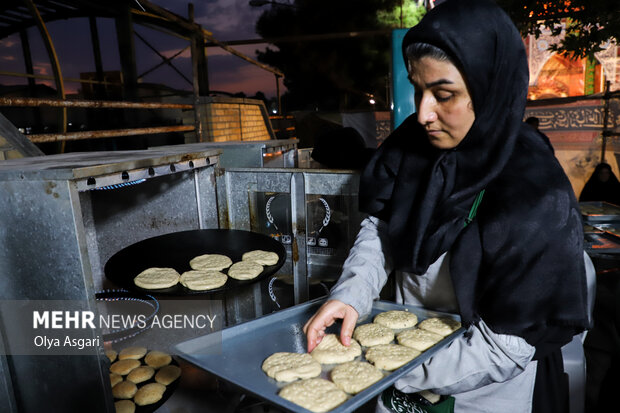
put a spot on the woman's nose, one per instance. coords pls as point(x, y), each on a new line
point(426, 111)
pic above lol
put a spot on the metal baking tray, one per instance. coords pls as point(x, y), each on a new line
point(176, 249)
point(599, 211)
point(602, 243)
point(613, 229)
point(236, 354)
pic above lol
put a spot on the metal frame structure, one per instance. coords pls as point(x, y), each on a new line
point(18, 15)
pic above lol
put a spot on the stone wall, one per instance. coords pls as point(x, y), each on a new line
point(231, 119)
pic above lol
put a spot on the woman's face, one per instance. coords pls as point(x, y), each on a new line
point(604, 174)
point(444, 106)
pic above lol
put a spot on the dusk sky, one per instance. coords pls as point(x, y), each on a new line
point(226, 19)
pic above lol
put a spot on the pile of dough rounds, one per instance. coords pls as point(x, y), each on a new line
point(139, 377)
point(206, 273)
point(351, 376)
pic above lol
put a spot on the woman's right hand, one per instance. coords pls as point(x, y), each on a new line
point(329, 312)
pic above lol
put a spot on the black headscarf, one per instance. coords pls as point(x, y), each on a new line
point(597, 190)
point(519, 264)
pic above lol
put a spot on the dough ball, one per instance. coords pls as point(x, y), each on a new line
point(132, 353)
point(141, 374)
point(168, 374)
point(124, 390)
point(123, 367)
point(149, 394)
point(157, 359)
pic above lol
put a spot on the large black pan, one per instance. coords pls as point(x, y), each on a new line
point(176, 249)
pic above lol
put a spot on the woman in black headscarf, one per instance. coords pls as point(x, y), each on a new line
point(602, 186)
point(474, 214)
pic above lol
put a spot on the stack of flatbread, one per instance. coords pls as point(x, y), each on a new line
point(140, 377)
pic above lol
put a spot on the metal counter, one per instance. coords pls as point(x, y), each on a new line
point(274, 153)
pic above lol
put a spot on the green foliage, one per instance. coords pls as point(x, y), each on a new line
point(407, 14)
point(589, 24)
point(336, 72)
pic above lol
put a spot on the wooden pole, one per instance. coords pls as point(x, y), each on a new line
point(94, 36)
point(51, 51)
point(195, 75)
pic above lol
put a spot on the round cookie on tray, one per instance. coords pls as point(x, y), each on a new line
point(317, 395)
point(355, 376)
point(287, 367)
point(331, 351)
point(444, 326)
point(396, 319)
point(390, 356)
point(373, 334)
point(418, 339)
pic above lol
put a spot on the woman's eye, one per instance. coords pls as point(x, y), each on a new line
point(443, 97)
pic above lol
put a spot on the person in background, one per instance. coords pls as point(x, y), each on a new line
point(534, 122)
point(473, 214)
point(342, 148)
point(602, 186)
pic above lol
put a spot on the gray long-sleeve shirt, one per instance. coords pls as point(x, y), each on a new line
point(484, 371)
